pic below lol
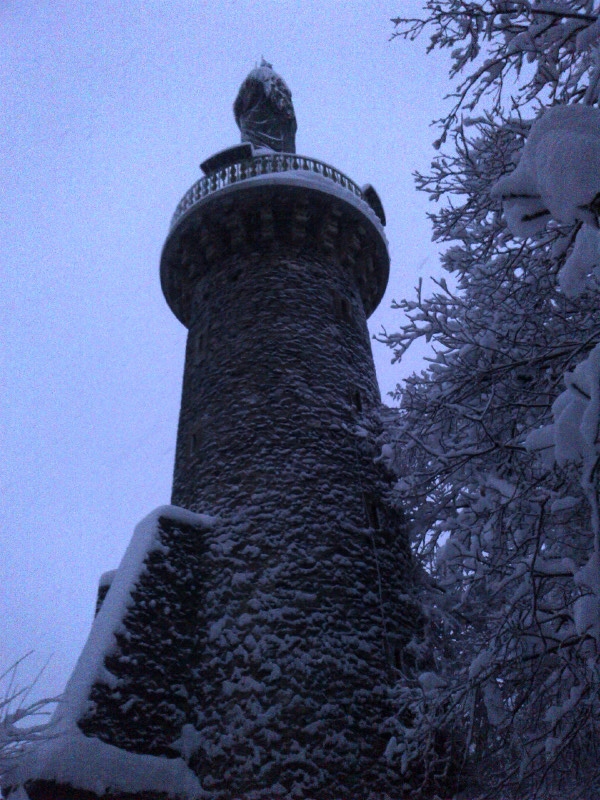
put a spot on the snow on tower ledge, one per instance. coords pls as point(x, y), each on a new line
point(73, 759)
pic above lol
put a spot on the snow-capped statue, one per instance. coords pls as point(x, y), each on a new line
point(264, 112)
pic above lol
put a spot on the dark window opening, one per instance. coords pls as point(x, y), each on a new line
point(357, 400)
point(198, 348)
point(397, 657)
point(400, 656)
point(372, 513)
point(201, 347)
point(342, 308)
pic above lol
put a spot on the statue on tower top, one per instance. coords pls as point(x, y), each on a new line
point(264, 112)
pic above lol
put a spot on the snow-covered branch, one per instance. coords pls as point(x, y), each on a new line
point(498, 462)
point(517, 52)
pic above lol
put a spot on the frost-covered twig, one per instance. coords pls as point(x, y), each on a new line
point(23, 722)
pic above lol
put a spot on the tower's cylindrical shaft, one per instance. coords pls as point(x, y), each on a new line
point(278, 368)
point(300, 611)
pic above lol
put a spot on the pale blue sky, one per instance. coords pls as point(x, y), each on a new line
point(106, 111)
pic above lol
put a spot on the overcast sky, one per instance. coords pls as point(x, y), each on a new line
point(106, 111)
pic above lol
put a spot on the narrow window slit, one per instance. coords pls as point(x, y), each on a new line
point(372, 513)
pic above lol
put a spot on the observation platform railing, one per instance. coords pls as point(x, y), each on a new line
point(267, 164)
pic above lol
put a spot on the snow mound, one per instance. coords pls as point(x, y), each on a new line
point(93, 765)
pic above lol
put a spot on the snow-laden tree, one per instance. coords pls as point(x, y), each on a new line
point(496, 444)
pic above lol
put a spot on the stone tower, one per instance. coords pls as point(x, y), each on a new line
point(247, 643)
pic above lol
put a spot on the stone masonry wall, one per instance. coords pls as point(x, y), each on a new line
point(267, 645)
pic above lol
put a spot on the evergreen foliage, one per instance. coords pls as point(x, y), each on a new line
point(504, 515)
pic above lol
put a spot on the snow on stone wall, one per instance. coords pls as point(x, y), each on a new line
point(69, 756)
point(260, 647)
point(262, 650)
